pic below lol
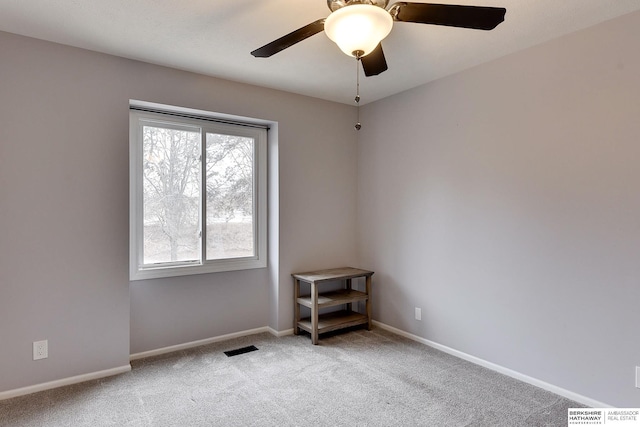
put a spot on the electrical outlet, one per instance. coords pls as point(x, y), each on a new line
point(638, 376)
point(418, 313)
point(40, 350)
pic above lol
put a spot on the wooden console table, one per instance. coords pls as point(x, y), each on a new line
point(319, 323)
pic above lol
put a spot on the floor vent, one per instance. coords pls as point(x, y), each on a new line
point(242, 350)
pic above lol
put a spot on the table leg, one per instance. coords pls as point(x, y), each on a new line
point(314, 313)
point(368, 303)
point(296, 295)
point(348, 287)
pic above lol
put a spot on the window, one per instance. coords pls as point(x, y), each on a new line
point(197, 193)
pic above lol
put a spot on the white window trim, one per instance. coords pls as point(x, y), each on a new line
point(136, 270)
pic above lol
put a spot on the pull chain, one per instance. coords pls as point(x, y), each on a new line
point(357, 99)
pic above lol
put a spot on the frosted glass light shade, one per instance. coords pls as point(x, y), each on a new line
point(358, 27)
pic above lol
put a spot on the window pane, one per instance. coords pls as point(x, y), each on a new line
point(229, 181)
point(171, 199)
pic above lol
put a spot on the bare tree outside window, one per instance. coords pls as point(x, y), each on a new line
point(229, 181)
point(171, 172)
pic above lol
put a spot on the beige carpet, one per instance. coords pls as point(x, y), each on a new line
point(358, 378)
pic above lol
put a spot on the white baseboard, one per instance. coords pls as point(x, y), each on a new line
point(65, 381)
point(122, 369)
point(281, 333)
point(205, 341)
point(501, 369)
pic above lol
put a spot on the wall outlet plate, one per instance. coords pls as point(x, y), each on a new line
point(40, 349)
point(418, 313)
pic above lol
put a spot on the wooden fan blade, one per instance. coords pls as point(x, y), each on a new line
point(475, 17)
point(374, 63)
point(290, 39)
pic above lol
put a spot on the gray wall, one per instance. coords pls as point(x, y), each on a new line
point(505, 202)
point(64, 211)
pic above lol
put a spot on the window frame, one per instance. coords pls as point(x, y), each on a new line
point(143, 112)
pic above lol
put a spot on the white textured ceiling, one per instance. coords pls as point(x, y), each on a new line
point(215, 37)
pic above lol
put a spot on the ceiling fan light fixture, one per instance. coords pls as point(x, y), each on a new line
point(358, 28)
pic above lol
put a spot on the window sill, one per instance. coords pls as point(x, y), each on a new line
point(187, 270)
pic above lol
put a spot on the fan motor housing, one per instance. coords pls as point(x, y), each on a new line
point(337, 4)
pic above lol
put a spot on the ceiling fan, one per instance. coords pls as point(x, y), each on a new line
point(358, 26)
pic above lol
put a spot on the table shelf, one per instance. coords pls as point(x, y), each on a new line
point(334, 321)
point(330, 299)
point(318, 322)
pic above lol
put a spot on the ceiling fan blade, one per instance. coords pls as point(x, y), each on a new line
point(475, 17)
point(374, 63)
point(290, 39)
